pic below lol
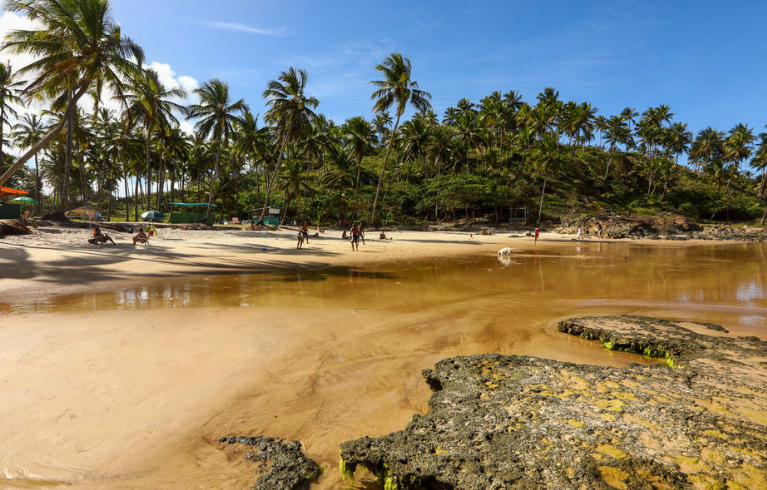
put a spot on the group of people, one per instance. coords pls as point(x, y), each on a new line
point(101, 238)
point(355, 234)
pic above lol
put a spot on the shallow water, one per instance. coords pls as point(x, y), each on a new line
point(329, 354)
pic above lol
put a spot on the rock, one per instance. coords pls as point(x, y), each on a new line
point(632, 226)
point(282, 464)
point(697, 420)
point(55, 217)
point(13, 227)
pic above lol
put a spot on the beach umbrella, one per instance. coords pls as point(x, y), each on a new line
point(7, 191)
point(24, 199)
point(153, 215)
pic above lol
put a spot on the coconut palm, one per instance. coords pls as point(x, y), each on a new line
point(77, 45)
point(360, 136)
point(151, 104)
point(10, 89)
point(546, 163)
point(217, 114)
point(26, 133)
point(291, 112)
point(738, 145)
point(396, 90)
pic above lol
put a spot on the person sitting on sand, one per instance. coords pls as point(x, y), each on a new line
point(382, 236)
point(343, 235)
point(141, 237)
point(355, 232)
point(100, 238)
point(320, 229)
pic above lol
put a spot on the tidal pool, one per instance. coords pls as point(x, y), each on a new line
point(133, 386)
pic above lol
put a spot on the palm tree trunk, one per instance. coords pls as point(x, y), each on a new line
point(37, 186)
point(272, 179)
point(761, 186)
point(135, 197)
point(609, 161)
point(125, 185)
point(160, 182)
point(357, 184)
point(764, 216)
point(543, 193)
point(2, 123)
point(383, 169)
point(148, 168)
point(70, 117)
point(215, 175)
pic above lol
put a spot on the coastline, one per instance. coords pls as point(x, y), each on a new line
point(57, 261)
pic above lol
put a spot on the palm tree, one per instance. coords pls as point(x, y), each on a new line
point(360, 136)
point(77, 45)
point(216, 114)
point(150, 103)
point(26, 133)
point(398, 90)
point(546, 162)
point(251, 142)
point(738, 144)
point(707, 149)
point(10, 89)
point(291, 111)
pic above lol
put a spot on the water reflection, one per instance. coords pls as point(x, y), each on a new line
point(584, 274)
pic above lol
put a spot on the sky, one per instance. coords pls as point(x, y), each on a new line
point(705, 59)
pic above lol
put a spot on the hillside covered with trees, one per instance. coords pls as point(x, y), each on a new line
point(483, 159)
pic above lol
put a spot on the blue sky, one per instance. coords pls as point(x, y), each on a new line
point(703, 58)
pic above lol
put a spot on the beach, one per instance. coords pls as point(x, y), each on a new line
point(218, 340)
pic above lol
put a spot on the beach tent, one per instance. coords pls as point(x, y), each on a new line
point(89, 211)
point(153, 216)
point(10, 210)
point(25, 199)
point(190, 212)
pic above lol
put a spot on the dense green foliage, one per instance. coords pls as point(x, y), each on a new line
point(489, 160)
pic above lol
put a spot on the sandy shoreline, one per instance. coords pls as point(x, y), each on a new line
point(136, 398)
point(58, 260)
point(55, 261)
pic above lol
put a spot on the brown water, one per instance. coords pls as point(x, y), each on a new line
point(321, 355)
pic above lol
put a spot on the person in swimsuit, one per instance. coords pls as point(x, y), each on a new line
point(355, 232)
point(140, 237)
point(537, 232)
point(304, 230)
point(362, 232)
point(100, 238)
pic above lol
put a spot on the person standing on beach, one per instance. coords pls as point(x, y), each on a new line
point(362, 232)
point(304, 230)
point(579, 235)
point(537, 232)
point(355, 232)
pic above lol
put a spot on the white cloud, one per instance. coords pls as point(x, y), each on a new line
point(9, 21)
point(234, 26)
point(169, 79)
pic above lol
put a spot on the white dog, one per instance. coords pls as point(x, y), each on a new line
point(505, 251)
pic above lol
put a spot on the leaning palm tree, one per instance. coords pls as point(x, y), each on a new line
point(10, 89)
point(77, 45)
point(546, 163)
point(26, 134)
point(398, 90)
point(217, 114)
point(151, 104)
point(291, 112)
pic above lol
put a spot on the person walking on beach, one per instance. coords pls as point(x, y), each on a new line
point(537, 232)
point(300, 238)
point(362, 232)
point(355, 232)
point(580, 234)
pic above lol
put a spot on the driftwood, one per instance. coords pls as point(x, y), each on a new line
point(13, 227)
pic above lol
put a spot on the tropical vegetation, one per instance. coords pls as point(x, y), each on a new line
point(498, 159)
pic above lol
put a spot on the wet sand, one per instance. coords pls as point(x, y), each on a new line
point(130, 387)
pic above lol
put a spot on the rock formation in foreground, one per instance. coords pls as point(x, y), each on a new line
point(697, 420)
point(281, 465)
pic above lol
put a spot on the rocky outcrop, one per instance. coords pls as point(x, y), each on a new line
point(694, 419)
point(630, 226)
point(661, 226)
point(281, 464)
